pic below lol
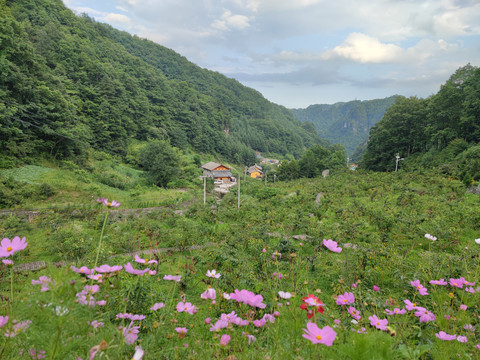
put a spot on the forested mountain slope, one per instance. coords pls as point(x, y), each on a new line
point(442, 131)
point(346, 123)
point(97, 86)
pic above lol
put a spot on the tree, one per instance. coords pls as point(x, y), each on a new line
point(160, 161)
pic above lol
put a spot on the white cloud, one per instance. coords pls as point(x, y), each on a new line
point(365, 49)
point(230, 21)
point(116, 18)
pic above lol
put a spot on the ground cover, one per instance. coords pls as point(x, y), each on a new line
point(381, 297)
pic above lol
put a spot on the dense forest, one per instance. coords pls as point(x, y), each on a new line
point(69, 84)
point(441, 131)
point(345, 123)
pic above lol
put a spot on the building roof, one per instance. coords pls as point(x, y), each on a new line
point(210, 165)
point(221, 173)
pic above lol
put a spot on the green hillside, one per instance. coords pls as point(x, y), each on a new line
point(346, 123)
point(68, 83)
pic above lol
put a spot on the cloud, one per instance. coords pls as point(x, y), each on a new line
point(365, 49)
point(230, 21)
point(116, 18)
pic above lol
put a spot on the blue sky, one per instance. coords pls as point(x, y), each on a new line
point(303, 52)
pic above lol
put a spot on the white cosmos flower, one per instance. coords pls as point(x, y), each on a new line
point(477, 241)
point(284, 295)
point(430, 237)
point(213, 274)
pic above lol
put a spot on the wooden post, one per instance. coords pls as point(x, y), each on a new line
point(204, 190)
point(238, 204)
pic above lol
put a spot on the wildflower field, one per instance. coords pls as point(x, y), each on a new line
point(354, 266)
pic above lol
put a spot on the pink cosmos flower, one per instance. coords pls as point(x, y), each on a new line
point(467, 282)
point(102, 303)
point(278, 275)
point(91, 289)
point(380, 324)
point(409, 305)
point(395, 311)
point(478, 346)
point(442, 335)
point(187, 307)
point(96, 324)
point(456, 282)
point(176, 278)
point(345, 299)
point(376, 288)
point(17, 328)
point(130, 333)
point(131, 317)
point(7, 262)
point(105, 202)
point(83, 270)
point(332, 245)
point(144, 261)
point(269, 318)
point(354, 285)
point(208, 321)
point(209, 294)
point(226, 296)
point(129, 269)
point(219, 324)
point(259, 323)
point(97, 277)
point(44, 281)
point(354, 312)
point(40, 354)
point(9, 247)
point(213, 274)
point(229, 317)
point(438, 282)
point(181, 330)
point(316, 335)
point(421, 289)
point(462, 339)
point(3, 320)
point(157, 306)
point(224, 340)
point(250, 338)
point(463, 307)
point(470, 289)
point(248, 298)
point(108, 269)
point(430, 237)
point(423, 314)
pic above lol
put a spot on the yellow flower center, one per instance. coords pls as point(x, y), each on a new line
point(185, 308)
point(109, 204)
point(378, 323)
point(345, 300)
point(414, 304)
point(9, 248)
point(319, 337)
point(419, 287)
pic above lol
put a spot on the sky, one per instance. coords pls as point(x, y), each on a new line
point(303, 52)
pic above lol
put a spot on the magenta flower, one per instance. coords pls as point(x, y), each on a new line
point(376, 288)
point(259, 323)
point(463, 307)
point(224, 340)
point(470, 289)
point(131, 317)
point(421, 289)
point(176, 278)
point(181, 330)
point(467, 282)
point(456, 282)
point(157, 306)
point(129, 269)
point(395, 311)
point(229, 317)
point(325, 335)
point(423, 314)
point(219, 324)
point(108, 269)
point(144, 261)
point(213, 274)
point(208, 321)
point(7, 262)
point(187, 307)
point(354, 312)
point(438, 282)
point(380, 324)
point(354, 285)
point(332, 245)
point(3, 320)
point(442, 335)
point(209, 294)
point(248, 298)
point(9, 247)
point(345, 299)
point(249, 337)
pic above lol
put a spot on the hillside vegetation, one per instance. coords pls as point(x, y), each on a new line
point(68, 83)
point(441, 131)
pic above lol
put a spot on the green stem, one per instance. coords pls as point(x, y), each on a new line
point(100, 240)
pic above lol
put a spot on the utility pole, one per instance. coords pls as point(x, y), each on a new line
point(245, 176)
point(274, 178)
point(204, 190)
point(238, 204)
point(398, 158)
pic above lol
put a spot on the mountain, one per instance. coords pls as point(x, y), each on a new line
point(345, 123)
point(69, 84)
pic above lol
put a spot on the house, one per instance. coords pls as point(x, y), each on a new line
point(255, 171)
point(217, 171)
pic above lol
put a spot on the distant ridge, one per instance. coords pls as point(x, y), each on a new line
point(346, 123)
